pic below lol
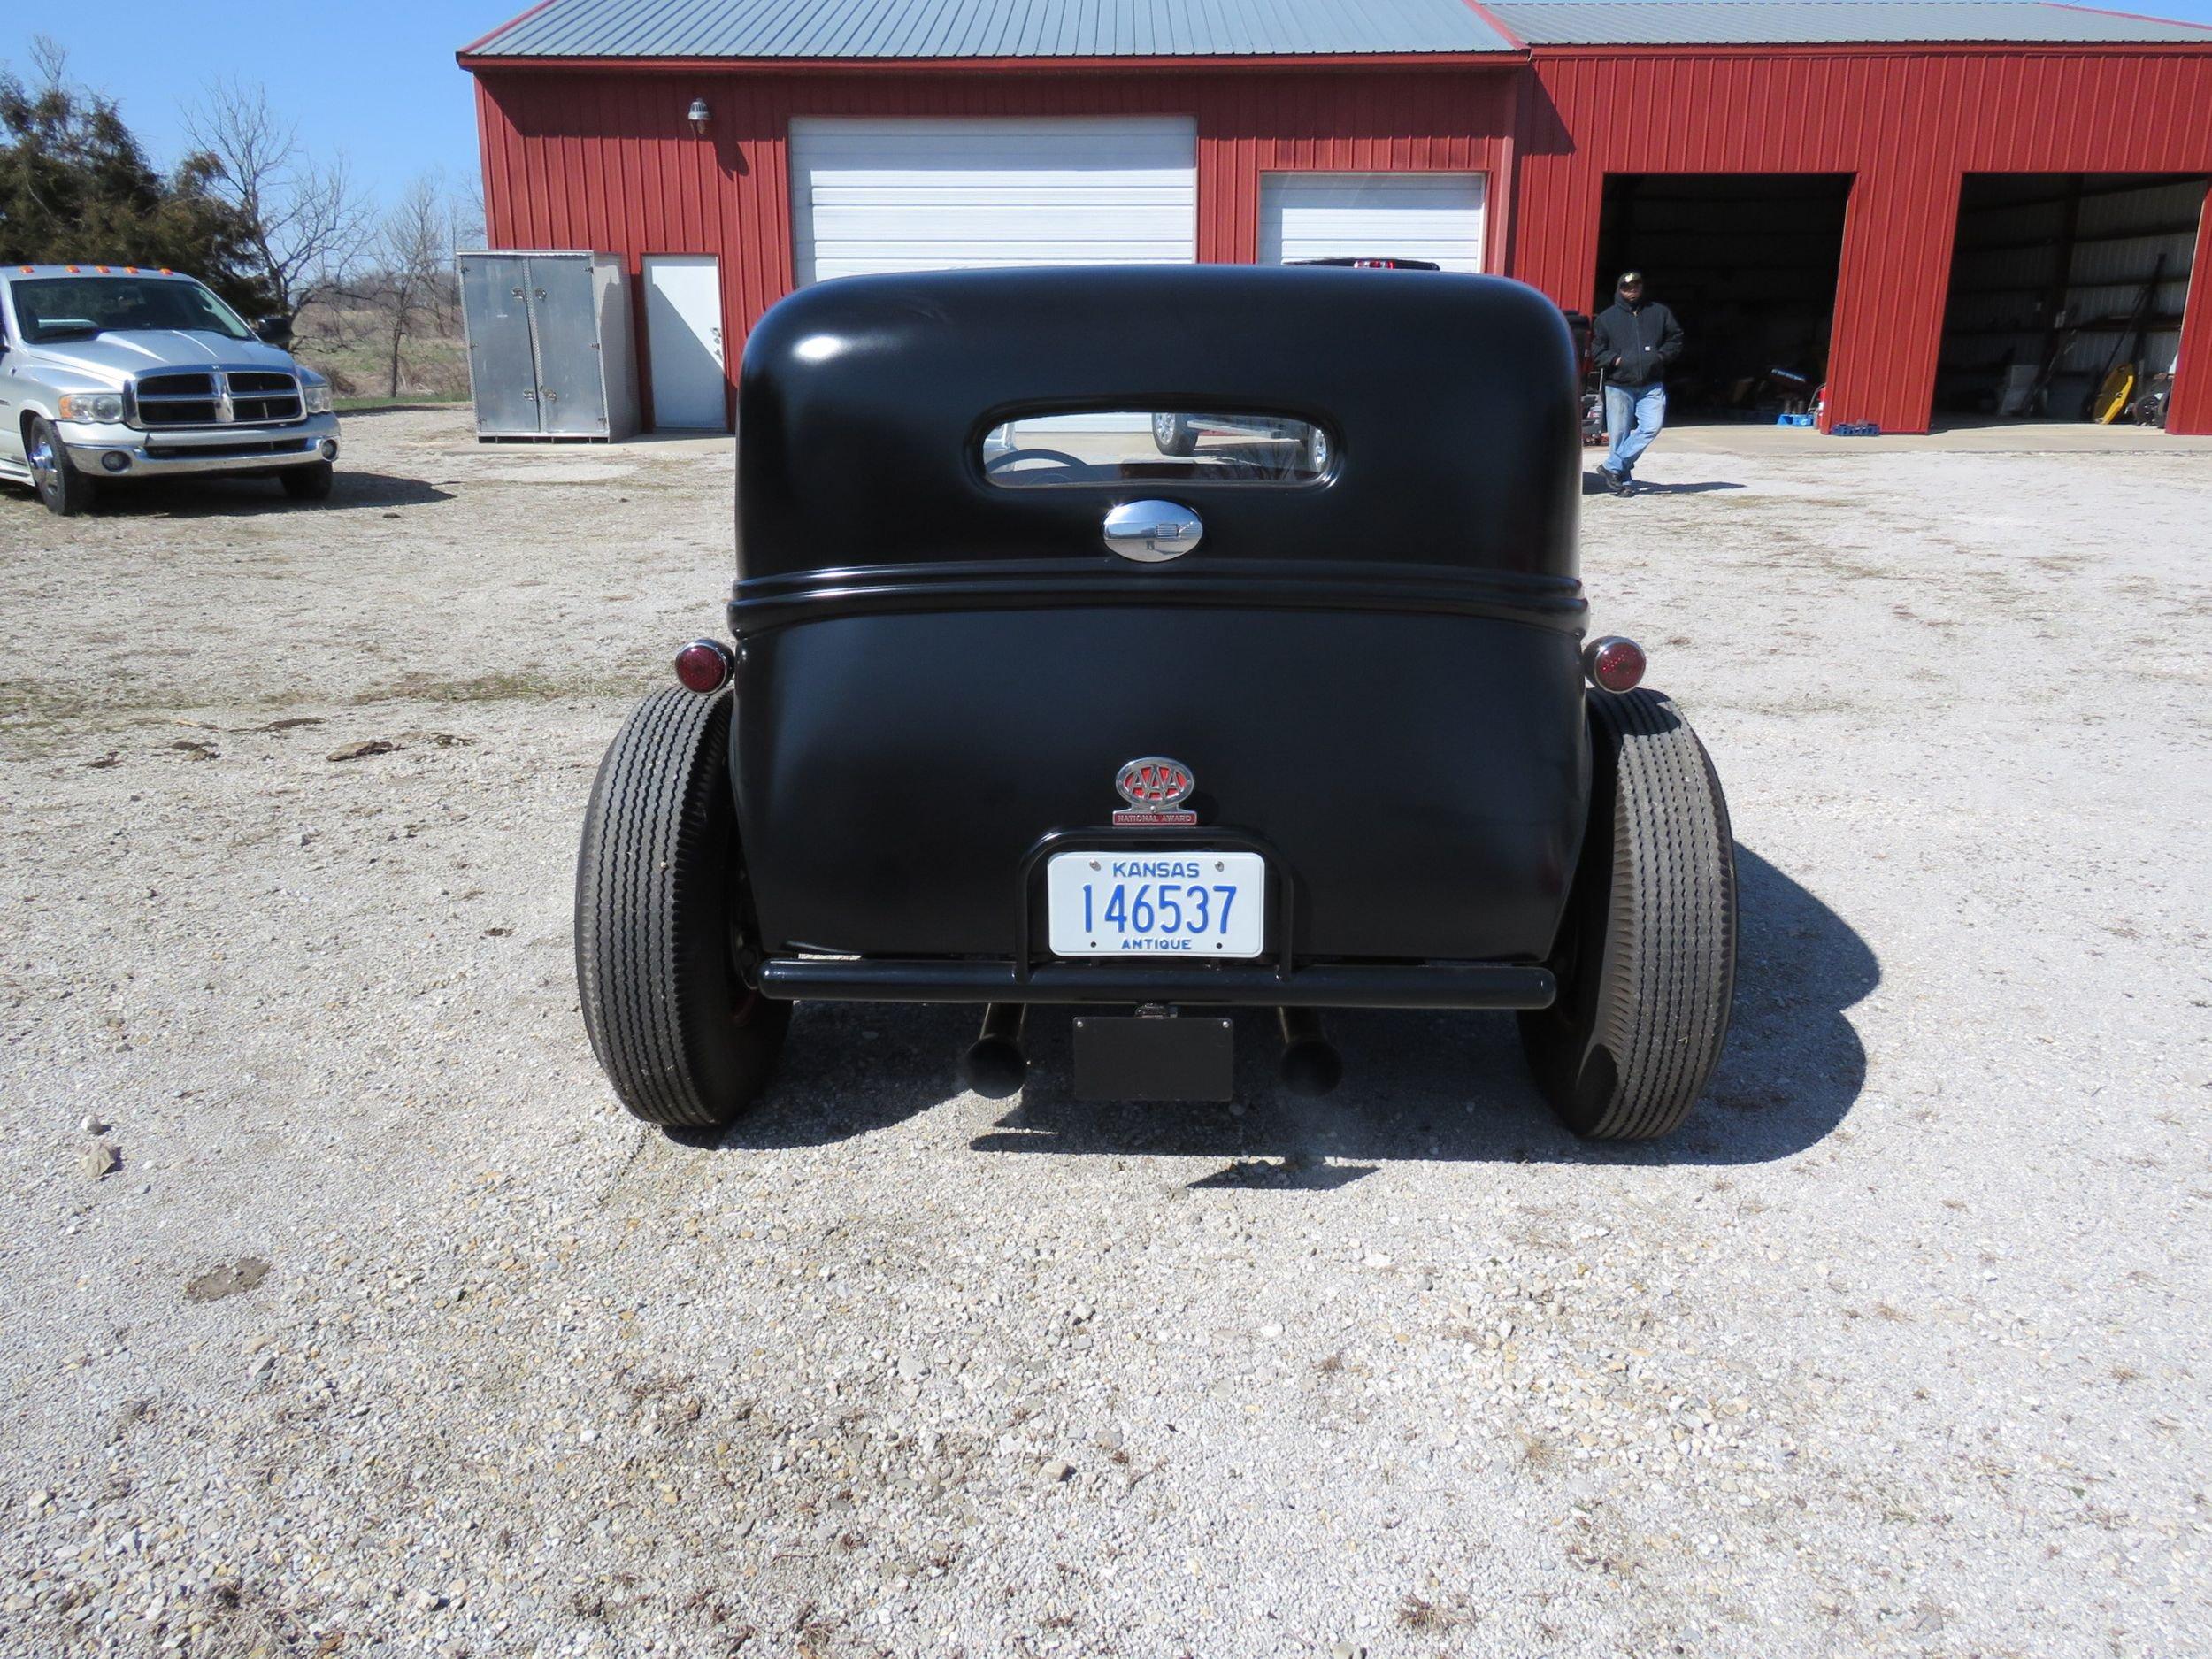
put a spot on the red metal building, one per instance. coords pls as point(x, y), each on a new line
point(1934, 204)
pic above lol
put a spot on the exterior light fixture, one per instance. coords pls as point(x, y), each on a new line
point(1614, 664)
point(698, 116)
point(705, 665)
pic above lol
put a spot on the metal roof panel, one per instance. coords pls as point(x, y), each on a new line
point(991, 28)
point(1828, 22)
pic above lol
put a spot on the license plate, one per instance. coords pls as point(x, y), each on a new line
point(1189, 904)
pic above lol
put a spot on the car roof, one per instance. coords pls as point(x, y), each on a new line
point(1371, 262)
point(863, 402)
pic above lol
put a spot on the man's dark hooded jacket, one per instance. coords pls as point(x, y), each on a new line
point(1644, 336)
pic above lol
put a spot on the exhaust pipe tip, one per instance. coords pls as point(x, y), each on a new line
point(1311, 1068)
point(1311, 1063)
point(995, 1065)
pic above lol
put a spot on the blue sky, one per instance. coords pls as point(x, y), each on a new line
point(373, 77)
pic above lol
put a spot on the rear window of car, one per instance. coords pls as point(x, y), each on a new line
point(1152, 446)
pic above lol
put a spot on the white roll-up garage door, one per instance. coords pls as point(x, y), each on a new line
point(923, 195)
point(1435, 216)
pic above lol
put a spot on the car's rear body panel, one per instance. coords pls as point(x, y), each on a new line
point(1420, 776)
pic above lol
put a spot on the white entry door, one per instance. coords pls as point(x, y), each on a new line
point(1409, 215)
point(934, 194)
point(683, 337)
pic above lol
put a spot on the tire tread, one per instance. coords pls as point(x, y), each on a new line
point(655, 882)
point(1666, 968)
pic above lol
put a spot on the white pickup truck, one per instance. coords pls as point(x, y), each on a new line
point(114, 372)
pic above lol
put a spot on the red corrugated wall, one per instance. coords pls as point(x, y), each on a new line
point(2190, 408)
point(601, 157)
point(1909, 124)
point(605, 159)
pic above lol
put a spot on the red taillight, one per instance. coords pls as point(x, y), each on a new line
point(1614, 664)
point(704, 666)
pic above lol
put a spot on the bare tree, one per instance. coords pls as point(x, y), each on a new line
point(468, 216)
point(413, 254)
point(311, 222)
point(51, 59)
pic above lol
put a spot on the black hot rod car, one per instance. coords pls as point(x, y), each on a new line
point(1021, 712)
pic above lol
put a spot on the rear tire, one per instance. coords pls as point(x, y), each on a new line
point(308, 483)
point(1172, 434)
point(65, 490)
point(1646, 957)
point(660, 908)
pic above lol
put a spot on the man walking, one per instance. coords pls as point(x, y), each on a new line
point(1633, 342)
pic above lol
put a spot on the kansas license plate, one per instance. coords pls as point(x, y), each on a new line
point(1191, 904)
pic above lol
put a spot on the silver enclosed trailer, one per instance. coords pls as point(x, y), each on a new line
point(549, 344)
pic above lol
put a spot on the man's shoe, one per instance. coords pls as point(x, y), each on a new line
point(1613, 482)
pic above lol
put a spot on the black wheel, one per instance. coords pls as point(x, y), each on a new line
point(65, 491)
point(660, 909)
point(308, 483)
point(1647, 954)
point(1172, 434)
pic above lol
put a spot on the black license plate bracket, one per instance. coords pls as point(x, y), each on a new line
point(1186, 1057)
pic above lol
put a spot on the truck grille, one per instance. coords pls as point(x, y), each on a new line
point(217, 398)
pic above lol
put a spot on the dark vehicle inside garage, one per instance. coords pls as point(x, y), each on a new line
point(1023, 713)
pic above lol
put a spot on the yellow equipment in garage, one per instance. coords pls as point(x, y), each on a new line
point(2114, 395)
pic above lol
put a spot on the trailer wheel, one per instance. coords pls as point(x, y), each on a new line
point(660, 904)
point(1646, 953)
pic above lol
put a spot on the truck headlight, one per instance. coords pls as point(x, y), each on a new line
point(315, 396)
point(105, 407)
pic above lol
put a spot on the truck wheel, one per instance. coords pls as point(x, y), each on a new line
point(65, 491)
point(308, 483)
point(1646, 953)
point(1318, 456)
point(1172, 434)
point(659, 920)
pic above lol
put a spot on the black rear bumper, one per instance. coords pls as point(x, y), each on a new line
point(1455, 985)
point(1285, 979)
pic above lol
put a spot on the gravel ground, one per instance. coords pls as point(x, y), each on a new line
point(390, 1334)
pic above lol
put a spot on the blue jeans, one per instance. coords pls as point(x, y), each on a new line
point(1633, 415)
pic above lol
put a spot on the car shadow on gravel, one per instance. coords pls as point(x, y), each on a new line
point(250, 498)
point(1416, 1086)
